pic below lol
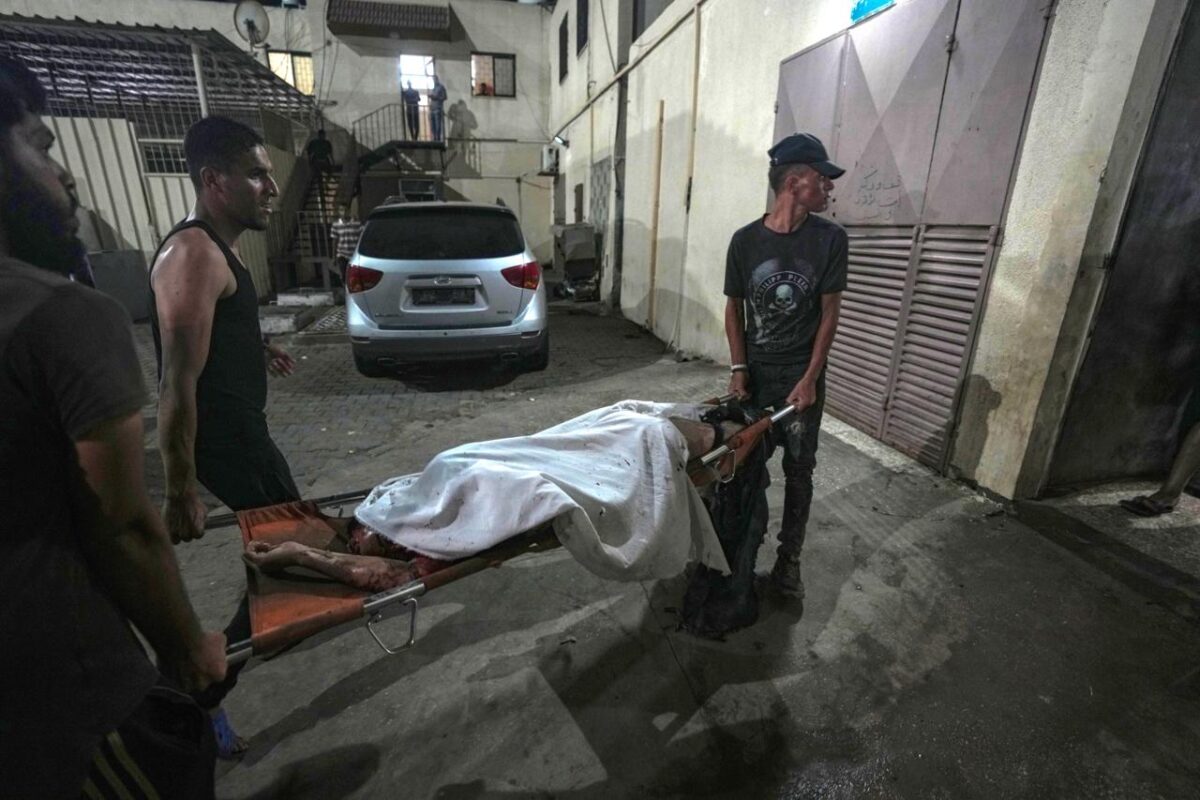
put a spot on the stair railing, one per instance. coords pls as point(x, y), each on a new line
point(282, 229)
point(397, 122)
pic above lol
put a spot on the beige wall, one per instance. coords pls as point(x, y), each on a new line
point(1074, 134)
point(1056, 230)
point(365, 76)
point(655, 213)
point(736, 99)
point(493, 140)
point(589, 71)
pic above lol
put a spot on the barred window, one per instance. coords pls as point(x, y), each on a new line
point(563, 39)
point(164, 158)
point(493, 74)
point(294, 68)
point(581, 25)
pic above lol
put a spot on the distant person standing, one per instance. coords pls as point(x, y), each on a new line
point(345, 232)
point(412, 110)
point(1183, 468)
point(320, 153)
point(437, 113)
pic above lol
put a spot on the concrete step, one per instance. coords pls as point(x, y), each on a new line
point(276, 319)
point(306, 297)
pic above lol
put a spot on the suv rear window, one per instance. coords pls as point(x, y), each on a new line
point(441, 233)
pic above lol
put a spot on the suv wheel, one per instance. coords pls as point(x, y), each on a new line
point(368, 368)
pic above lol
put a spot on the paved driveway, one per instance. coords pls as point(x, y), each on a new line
point(944, 649)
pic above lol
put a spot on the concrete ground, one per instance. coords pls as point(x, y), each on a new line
point(1172, 538)
point(944, 649)
point(1158, 556)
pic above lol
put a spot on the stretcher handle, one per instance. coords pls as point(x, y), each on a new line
point(716, 401)
point(241, 651)
point(230, 518)
point(745, 434)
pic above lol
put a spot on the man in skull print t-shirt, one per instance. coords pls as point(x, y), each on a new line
point(781, 277)
point(784, 276)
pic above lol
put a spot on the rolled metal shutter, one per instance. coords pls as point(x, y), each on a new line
point(935, 338)
point(860, 361)
point(923, 105)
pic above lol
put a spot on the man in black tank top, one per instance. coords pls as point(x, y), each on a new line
point(212, 359)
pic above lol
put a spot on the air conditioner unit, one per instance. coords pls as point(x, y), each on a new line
point(549, 160)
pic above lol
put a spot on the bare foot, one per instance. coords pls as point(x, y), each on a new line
point(274, 557)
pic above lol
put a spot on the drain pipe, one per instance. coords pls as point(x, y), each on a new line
point(614, 297)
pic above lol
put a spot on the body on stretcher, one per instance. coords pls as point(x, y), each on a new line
point(286, 608)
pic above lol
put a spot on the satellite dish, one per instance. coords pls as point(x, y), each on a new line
point(252, 22)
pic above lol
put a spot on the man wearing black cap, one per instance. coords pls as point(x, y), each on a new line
point(784, 277)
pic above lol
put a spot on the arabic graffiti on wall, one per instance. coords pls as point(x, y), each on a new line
point(877, 196)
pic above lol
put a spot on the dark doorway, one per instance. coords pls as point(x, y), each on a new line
point(560, 200)
point(1142, 365)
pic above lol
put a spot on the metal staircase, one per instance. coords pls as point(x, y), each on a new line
point(314, 219)
point(394, 142)
point(386, 141)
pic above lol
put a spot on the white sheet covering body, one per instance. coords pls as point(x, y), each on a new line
point(613, 481)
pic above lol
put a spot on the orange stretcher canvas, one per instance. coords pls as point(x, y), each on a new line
point(288, 609)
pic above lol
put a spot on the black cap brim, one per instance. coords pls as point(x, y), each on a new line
point(828, 169)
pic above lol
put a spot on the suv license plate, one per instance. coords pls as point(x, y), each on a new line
point(444, 297)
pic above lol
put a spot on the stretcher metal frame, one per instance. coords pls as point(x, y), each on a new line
point(719, 464)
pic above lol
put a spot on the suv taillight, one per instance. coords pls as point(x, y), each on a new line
point(526, 276)
point(359, 279)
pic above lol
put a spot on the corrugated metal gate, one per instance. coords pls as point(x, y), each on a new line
point(924, 105)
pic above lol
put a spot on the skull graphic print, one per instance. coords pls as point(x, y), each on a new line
point(779, 299)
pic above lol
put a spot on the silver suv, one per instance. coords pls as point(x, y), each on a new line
point(441, 281)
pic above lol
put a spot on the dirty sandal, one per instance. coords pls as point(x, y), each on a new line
point(230, 746)
point(1146, 507)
